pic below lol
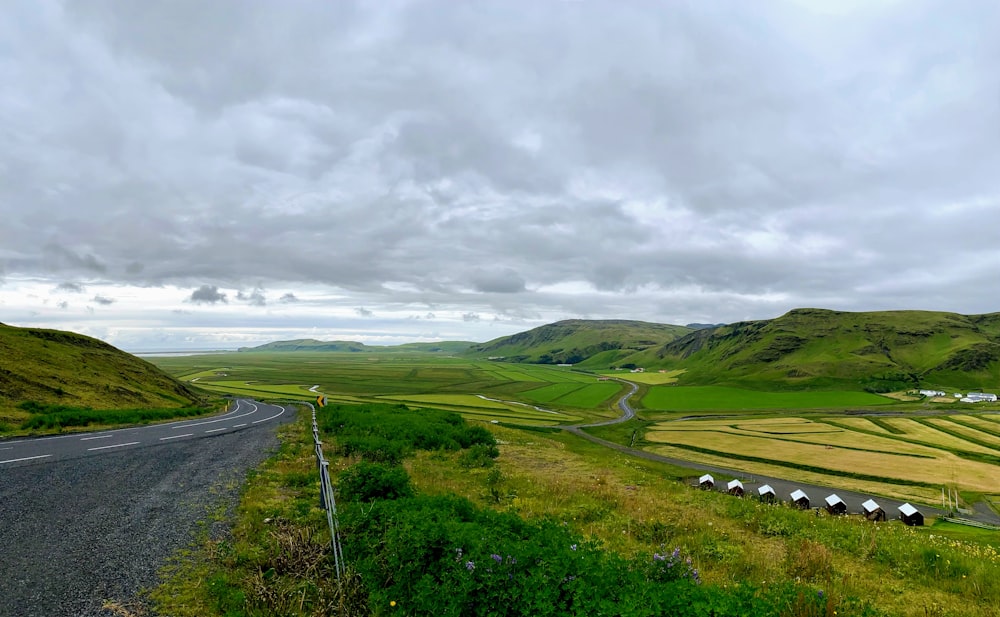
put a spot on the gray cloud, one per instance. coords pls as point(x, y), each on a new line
point(254, 298)
point(207, 294)
point(71, 287)
point(102, 300)
point(363, 312)
point(675, 162)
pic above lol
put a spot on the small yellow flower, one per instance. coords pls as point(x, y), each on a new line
point(393, 603)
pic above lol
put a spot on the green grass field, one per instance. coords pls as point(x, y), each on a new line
point(721, 398)
point(477, 389)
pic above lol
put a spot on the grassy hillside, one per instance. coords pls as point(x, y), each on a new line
point(353, 346)
point(596, 343)
point(878, 351)
point(52, 367)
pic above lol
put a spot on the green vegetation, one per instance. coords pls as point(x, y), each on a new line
point(57, 417)
point(577, 341)
point(714, 398)
point(558, 526)
point(476, 388)
point(819, 349)
point(51, 367)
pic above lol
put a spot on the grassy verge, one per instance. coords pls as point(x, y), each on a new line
point(44, 419)
point(772, 559)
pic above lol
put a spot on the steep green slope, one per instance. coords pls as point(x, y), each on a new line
point(355, 347)
point(64, 368)
point(878, 351)
point(580, 341)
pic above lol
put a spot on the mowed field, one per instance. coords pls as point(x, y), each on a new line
point(907, 457)
point(721, 398)
point(522, 394)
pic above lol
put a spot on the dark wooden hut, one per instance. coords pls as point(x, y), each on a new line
point(706, 482)
point(735, 487)
point(766, 493)
point(800, 499)
point(872, 511)
point(835, 505)
point(910, 515)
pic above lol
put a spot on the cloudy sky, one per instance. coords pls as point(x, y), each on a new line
point(193, 174)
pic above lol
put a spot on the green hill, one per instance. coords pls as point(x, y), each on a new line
point(597, 343)
point(53, 367)
point(877, 351)
point(355, 347)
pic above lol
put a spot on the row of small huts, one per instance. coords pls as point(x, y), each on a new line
point(833, 504)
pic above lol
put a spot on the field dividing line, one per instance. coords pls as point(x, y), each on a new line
point(117, 445)
point(176, 436)
point(27, 458)
point(96, 437)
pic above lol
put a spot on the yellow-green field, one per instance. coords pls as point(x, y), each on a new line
point(913, 461)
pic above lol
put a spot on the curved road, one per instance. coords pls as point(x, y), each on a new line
point(92, 517)
point(783, 488)
point(32, 450)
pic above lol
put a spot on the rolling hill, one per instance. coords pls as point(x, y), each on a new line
point(877, 351)
point(355, 347)
point(597, 343)
point(64, 368)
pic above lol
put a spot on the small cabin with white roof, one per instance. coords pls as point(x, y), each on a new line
point(910, 515)
point(873, 511)
point(706, 482)
point(835, 505)
point(766, 493)
point(800, 499)
point(735, 487)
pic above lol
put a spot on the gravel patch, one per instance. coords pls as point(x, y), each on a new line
point(76, 533)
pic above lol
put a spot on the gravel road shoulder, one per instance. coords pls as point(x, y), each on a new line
point(76, 533)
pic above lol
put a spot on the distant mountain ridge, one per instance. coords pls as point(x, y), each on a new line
point(65, 368)
point(356, 347)
point(878, 351)
point(580, 341)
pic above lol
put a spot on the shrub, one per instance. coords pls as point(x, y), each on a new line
point(479, 455)
point(368, 481)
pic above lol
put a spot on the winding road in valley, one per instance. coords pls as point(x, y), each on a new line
point(782, 487)
point(88, 519)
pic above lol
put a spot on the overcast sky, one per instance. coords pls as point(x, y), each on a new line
point(193, 174)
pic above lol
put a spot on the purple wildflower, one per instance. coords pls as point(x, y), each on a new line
point(470, 565)
point(496, 558)
point(572, 548)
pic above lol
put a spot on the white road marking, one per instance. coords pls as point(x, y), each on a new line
point(219, 419)
point(216, 430)
point(271, 418)
point(27, 458)
point(176, 436)
point(96, 437)
point(6, 448)
point(129, 428)
point(239, 425)
point(117, 445)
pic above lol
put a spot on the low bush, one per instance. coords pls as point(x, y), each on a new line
point(368, 481)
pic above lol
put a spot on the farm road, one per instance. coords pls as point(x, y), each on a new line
point(782, 488)
point(77, 532)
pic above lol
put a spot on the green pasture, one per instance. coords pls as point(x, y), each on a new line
point(451, 383)
point(724, 398)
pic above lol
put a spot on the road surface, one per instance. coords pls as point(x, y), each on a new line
point(90, 518)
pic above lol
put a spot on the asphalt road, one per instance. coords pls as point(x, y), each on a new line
point(782, 488)
point(243, 413)
point(91, 518)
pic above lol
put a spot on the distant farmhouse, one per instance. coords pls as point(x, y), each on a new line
point(979, 397)
point(932, 393)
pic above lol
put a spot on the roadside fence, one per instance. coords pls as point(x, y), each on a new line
point(326, 500)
